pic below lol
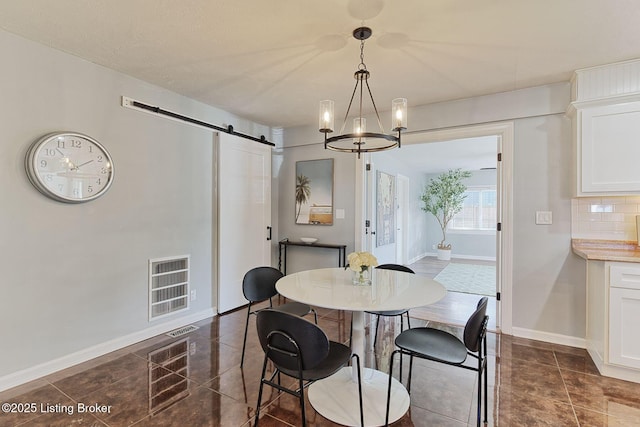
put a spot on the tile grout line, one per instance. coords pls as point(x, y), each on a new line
point(566, 390)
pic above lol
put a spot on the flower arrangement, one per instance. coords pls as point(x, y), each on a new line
point(361, 261)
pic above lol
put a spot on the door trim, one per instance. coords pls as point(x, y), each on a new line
point(504, 259)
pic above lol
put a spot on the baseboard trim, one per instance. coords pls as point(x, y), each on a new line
point(43, 369)
point(417, 258)
point(549, 337)
point(454, 256)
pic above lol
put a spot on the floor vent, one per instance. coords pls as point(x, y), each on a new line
point(168, 286)
point(182, 331)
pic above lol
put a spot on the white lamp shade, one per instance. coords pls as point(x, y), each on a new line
point(326, 116)
point(399, 114)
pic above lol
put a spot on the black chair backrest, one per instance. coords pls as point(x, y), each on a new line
point(476, 326)
point(259, 283)
point(396, 267)
point(283, 335)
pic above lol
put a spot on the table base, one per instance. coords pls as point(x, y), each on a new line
point(336, 398)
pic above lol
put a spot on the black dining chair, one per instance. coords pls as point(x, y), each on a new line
point(259, 284)
point(301, 350)
point(444, 347)
point(391, 313)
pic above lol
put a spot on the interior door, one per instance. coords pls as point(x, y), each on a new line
point(244, 214)
point(402, 217)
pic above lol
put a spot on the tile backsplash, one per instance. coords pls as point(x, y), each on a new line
point(605, 218)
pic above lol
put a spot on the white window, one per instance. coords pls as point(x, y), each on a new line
point(479, 210)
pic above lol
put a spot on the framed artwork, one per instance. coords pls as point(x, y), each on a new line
point(314, 192)
point(385, 209)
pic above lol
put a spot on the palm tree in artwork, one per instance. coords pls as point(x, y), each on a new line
point(303, 191)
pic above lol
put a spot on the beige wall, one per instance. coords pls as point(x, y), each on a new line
point(75, 277)
point(548, 279)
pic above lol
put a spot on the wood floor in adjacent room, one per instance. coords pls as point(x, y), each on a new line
point(456, 307)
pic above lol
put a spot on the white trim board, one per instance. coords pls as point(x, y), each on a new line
point(454, 256)
point(549, 337)
point(64, 362)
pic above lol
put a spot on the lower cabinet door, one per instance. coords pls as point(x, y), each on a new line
point(624, 333)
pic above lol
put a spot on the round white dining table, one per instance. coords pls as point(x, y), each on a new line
point(336, 397)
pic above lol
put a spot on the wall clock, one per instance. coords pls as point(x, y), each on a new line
point(69, 167)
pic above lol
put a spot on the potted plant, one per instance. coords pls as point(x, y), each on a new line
point(443, 198)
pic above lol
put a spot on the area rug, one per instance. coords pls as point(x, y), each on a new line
point(469, 278)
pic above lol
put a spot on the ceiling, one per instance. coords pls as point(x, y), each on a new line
point(471, 154)
point(273, 61)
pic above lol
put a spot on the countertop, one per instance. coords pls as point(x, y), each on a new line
point(606, 250)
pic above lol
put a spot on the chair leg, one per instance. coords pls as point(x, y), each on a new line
point(486, 387)
point(479, 391)
point(359, 388)
point(246, 328)
point(375, 336)
point(408, 320)
point(386, 418)
point(410, 370)
point(264, 370)
point(315, 316)
point(304, 413)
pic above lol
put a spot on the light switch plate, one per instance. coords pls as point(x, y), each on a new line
point(339, 213)
point(544, 218)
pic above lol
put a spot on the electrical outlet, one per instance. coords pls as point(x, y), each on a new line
point(193, 295)
point(544, 218)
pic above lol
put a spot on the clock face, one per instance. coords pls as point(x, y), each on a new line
point(69, 167)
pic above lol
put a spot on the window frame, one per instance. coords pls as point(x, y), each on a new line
point(476, 230)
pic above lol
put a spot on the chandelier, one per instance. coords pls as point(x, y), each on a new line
point(359, 140)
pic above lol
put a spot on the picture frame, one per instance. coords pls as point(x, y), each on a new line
point(385, 209)
point(314, 192)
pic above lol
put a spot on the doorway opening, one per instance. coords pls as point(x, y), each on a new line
point(480, 249)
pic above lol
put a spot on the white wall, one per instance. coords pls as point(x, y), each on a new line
point(342, 230)
point(75, 276)
point(416, 228)
point(548, 279)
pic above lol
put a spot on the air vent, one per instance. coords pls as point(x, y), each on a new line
point(168, 286)
point(182, 331)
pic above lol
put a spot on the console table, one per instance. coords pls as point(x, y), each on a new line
point(282, 252)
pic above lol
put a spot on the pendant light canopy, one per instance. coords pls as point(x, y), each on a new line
point(360, 140)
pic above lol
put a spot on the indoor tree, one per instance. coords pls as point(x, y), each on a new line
point(443, 198)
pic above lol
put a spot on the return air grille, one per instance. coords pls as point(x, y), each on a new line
point(168, 286)
point(182, 331)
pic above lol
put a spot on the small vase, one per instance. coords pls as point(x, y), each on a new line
point(362, 277)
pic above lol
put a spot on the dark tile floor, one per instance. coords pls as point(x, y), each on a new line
point(196, 380)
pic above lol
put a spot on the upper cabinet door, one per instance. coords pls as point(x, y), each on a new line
point(608, 148)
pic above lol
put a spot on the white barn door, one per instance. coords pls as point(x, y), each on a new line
point(244, 214)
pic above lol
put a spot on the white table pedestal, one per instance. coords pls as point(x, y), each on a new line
point(336, 398)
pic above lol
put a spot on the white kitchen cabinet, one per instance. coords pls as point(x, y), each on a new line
point(624, 315)
point(605, 109)
point(613, 316)
point(608, 149)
